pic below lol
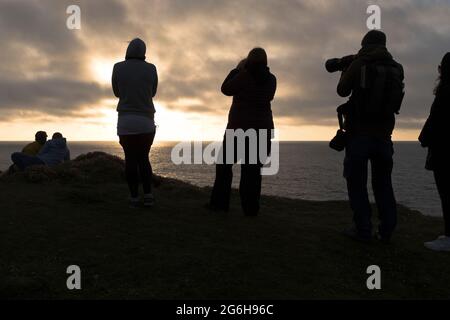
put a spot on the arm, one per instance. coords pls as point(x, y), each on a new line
point(349, 79)
point(115, 85)
point(233, 82)
point(425, 136)
point(274, 88)
point(155, 84)
point(44, 149)
point(67, 156)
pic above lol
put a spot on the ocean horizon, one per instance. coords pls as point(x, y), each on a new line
point(309, 170)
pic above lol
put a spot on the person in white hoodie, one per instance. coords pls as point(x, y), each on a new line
point(134, 82)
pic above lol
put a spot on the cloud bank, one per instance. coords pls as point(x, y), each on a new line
point(46, 68)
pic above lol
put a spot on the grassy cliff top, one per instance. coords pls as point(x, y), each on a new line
point(77, 214)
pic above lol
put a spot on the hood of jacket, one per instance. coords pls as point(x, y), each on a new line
point(371, 53)
point(58, 143)
point(136, 50)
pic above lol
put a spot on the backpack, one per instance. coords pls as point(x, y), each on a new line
point(381, 89)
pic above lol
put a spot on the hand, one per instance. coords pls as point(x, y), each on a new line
point(242, 64)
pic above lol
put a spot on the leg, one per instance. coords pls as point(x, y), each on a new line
point(250, 188)
point(131, 164)
point(145, 168)
point(442, 177)
point(24, 161)
point(355, 171)
point(251, 179)
point(382, 164)
point(220, 195)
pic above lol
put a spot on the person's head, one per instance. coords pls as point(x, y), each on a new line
point(444, 72)
point(136, 49)
point(57, 135)
point(257, 57)
point(40, 137)
point(374, 38)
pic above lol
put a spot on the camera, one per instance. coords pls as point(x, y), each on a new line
point(339, 142)
point(339, 64)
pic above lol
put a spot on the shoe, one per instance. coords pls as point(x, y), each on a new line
point(134, 203)
point(353, 234)
point(440, 244)
point(149, 200)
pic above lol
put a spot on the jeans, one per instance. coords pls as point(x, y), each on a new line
point(442, 177)
point(24, 161)
point(137, 163)
point(250, 183)
point(359, 150)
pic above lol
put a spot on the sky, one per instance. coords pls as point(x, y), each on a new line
point(56, 79)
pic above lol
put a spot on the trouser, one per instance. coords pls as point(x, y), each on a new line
point(137, 164)
point(359, 150)
point(442, 177)
point(23, 161)
point(250, 183)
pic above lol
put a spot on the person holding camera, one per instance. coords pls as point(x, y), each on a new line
point(252, 86)
point(374, 82)
point(434, 136)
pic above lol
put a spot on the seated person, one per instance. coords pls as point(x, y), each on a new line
point(53, 152)
point(33, 148)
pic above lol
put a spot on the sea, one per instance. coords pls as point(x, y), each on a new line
point(307, 170)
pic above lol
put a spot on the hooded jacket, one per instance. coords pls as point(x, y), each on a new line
point(54, 152)
point(252, 91)
point(435, 134)
point(134, 82)
point(350, 84)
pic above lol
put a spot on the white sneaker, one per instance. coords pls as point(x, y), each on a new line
point(440, 244)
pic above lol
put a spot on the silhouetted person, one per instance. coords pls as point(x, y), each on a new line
point(252, 87)
point(371, 79)
point(33, 148)
point(53, 152)
point(435, 135)
point(135, 82)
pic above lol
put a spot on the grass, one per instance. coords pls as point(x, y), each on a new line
point(178, 250)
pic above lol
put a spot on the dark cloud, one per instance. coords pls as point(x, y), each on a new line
point(196, 43)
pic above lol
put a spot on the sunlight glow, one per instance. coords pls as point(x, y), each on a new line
point(101, 70)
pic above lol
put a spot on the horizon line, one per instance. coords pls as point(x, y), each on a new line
point(193, 141)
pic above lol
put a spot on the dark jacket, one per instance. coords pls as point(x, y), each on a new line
point(252, 92)
point(435, 133)
point(54, 152)
point(135, 82)
point(350, 83)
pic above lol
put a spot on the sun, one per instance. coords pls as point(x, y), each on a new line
point(101, 70)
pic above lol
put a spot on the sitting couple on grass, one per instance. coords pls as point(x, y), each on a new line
point(42, 152)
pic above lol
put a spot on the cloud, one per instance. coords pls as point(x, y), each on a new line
point(45, 66)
